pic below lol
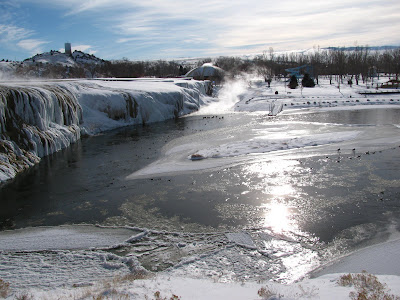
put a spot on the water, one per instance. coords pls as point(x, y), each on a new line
point(298, 206)
point(86, 182)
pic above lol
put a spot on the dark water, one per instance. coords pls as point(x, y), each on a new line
point(348, 196)
point(86, 182)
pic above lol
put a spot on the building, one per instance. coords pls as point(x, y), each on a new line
point(207, 72)
point(68, 48)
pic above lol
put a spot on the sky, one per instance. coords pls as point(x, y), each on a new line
point(173, 29)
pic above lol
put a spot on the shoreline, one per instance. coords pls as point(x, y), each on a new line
point(378, 259)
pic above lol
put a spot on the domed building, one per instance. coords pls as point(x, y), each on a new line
point(207, 72)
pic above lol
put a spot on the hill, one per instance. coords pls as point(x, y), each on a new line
point(53, 64)
point(65, 60)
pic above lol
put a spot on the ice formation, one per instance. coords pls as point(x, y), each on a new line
point(40, 118)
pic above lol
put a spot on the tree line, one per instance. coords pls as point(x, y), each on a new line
point(359, 63)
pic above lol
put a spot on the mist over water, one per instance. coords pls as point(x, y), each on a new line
point(226, 97)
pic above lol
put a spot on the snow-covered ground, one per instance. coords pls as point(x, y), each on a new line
point(52, 263)
point(146, 286)
point(91, 256)
point(240, 143)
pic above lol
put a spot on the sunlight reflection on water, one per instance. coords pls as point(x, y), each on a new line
point(278, 218)
point(275, 181)
point(282, 190)
point(293, 247)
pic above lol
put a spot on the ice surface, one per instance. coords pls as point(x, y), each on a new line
point(51, 269)
point(241, 239)
point(263, 144)
point(264, 140)
point(62, 237)
point(65, 255)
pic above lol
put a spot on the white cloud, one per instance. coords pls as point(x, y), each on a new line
point(9, 33)
point(31, 45)
point(18, 37)
point(233, 24)
point(83, 48)
point(228, 26)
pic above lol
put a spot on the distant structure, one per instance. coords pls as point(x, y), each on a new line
point(299, 71)
point(207, 72)
point(68, 48)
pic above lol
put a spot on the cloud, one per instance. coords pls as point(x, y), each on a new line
point(230, 27)
point(31, 45)
point(17, 37)
point(9, 33)
point(84, 48)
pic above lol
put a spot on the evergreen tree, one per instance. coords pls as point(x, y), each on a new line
point(293, 82)
point(307, 81)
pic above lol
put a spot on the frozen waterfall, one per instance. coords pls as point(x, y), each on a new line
point(38, 118)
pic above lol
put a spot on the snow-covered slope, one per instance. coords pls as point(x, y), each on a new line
point(56, 57)
point(39, 118)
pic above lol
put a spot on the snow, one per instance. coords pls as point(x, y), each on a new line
point(58, 58)
point(206, 70)
point(48, 116)
point(241, 143)
point(52, 269)
point(386, 264)
point(77, 261)
point(82, 274)
point(262, 144)
point(323, 287)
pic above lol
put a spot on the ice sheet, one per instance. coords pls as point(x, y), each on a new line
point(263, 140)
point(62, 238)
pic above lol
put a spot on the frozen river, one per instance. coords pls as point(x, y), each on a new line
point(254, 161)
point(298, 189)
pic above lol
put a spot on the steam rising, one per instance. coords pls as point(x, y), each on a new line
point(229, 94)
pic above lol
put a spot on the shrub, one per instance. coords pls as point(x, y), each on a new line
point(24, 297)
point(158, 296)
point(4, 288)
point(367, 287)
point(268, 293)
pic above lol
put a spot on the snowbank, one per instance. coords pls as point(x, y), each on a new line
point(258, 97)
point(166, 286)
point(379, 259)
point(40, 118)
